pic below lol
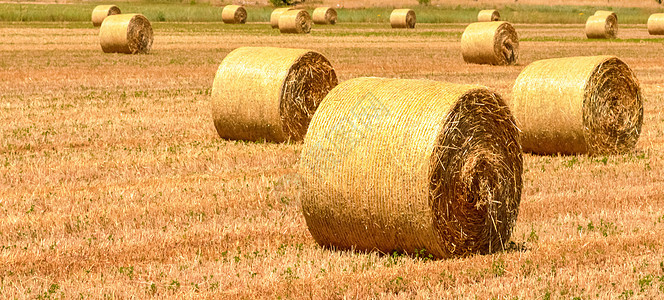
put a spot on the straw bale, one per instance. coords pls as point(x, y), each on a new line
point(578, 105)
point(274, 17)
point(488, 15)
point(602, 27)
point(411, 165)
point(295, 21)
point(325, 16)
point(656, 24)
point(126, 33)
point(495, 43)
point(234, 14)
point(100, 12)
point(269, 93)
point(403, 18)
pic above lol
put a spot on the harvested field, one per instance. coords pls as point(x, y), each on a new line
point(115, 183)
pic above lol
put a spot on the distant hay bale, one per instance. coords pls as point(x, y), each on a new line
point(100, 12)
point(488, 15)
point(656, 24)
point(127, 33)
point(602, 13)
point(578, 105)
point(410, 166)
point(295, 21)
point(234, 14)
point(494, 43)
point(403, 18)
point(602, 27)
point(269, 93)
point(274, 17)
point(325, 16)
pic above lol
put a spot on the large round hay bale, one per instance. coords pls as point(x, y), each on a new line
point(127, 33)
point(602, 27)
point(602, 13)
point(274, 17)
point(656, 24)
point(269, 93)
point(488, 15)
point(100, 12)
point(295, 21)
point(411, 165)
point(234, 14)
point(494, 43)
point(403, 18)
point(578, 105)
point(325, 16)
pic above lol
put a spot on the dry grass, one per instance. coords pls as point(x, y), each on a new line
point(116, 183)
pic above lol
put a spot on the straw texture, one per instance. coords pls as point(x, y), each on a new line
point(234, 14)
point(602, 13)
point(295, 21)
point(488, 15)
point(494, 43)
point(127, 33)
point(100, 12)
point(325, 16)
point(602, 27)
point(407, 165)
point(656, 24)
point(269, 93)
point(578, 105)
point(403, 18)
point(274, 17)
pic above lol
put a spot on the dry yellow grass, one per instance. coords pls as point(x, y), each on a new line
point(116, 184)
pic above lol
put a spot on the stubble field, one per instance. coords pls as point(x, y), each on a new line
point(114, 183)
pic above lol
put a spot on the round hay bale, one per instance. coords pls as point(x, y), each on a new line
point(269, 93)
point(274, 17)
point(411, 165)
point(325, 16)
point(606, 13)
point(127, 33)
point(578, 105)
point(494, 43)
point(602, 27)
point(488, 15)
point(656, 24)
point(100, 12)
point(234, 14)
point(403, 18)
point(295, 21)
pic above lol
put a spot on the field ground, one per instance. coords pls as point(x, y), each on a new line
point(114, 183)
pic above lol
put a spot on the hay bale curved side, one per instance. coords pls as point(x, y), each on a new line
point(656, 24)
point(234, 14)
point(295, 21)
point(406, 165)
point(403, 18)
point(602, 27)
point(100, 12)
point(269, 93)
point(488, 15)
point(325, 16)
point(602, 13)
point(495, 43)
point(274, 17)
point(127, 33)
point(578, 105)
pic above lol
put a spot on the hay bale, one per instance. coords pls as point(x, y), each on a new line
point(406, 165)
point(234, 14)
point(602, 13)
point(578, 105)
point(602, 27)
point(269, 93)
point(127, 33)
point(495, 43)
point(100, 12)
point(403, 18)
point(274, 17)
point(488, 15)
point(656, 24)
point(295, 21)
point(325, 16)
